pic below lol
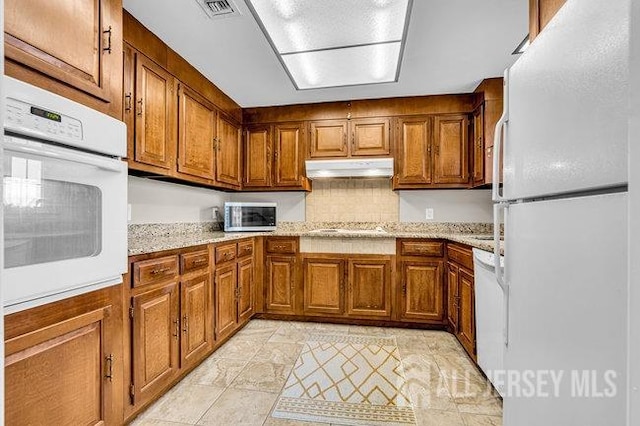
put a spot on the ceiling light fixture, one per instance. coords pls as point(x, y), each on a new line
point(524, 44)
point(334, 43)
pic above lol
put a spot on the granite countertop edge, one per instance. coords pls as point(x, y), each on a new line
point(152, 244)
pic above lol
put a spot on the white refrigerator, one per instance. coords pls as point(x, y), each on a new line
point(564, 143)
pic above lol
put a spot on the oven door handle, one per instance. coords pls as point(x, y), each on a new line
point(64, 154)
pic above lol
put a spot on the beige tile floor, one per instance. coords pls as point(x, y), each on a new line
point(239, 384)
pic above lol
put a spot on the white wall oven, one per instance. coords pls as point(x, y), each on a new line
point(64, 198)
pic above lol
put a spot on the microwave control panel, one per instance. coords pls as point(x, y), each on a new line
point(21, 116)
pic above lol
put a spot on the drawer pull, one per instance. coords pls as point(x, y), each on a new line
point(159, 271)
point(199, 261)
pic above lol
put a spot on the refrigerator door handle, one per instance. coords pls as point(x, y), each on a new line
point(498, 142)
point(500, 270)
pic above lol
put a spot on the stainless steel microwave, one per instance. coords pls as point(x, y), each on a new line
point(239, 217)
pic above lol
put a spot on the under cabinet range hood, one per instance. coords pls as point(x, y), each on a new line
point(355, 168)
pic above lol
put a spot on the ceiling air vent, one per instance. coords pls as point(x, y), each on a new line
point(219, 8)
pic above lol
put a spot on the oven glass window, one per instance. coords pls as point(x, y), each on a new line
point(47, 219)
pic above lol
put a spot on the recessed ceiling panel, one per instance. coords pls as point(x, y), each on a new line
point(375, 63)
point(335, 43)
point(300, 25)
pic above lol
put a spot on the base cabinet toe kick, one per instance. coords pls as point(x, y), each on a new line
point(186, 303)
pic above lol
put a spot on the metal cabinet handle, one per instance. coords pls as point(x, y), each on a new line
point(127, 103)
point(159, 271)
point(199, 261)
point(140, 106)
point(108, 47)
point(109, 363)
point(176, 324)
point(185, 324)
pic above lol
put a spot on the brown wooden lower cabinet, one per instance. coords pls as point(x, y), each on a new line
point(280, 297)
point(323, 285)
point(246, 289)
point(63, 363)
point(226, 312)
point(369, 288)
point(155, 341)
point(422, 295)
point(467, 326)
point(197, 336)
point(461, 316)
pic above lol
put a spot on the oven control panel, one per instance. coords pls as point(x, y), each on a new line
point(24, 116)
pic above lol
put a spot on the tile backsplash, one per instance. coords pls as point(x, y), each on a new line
point(351, 200)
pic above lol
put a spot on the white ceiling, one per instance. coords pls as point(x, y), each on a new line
point(451, 46)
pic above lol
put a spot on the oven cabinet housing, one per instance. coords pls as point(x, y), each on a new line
point(70, 47)
point(170, 317)
point(63, 363)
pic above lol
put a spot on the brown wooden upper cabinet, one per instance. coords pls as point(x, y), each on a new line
point(478, 147)
point(257, 156)
point(370, 137)
point(451, 150)
point(365, 137)
point(540, 13)
point(228, 152)
point(288, 162)
point(196, 135)
point(150, 113)
point(70, 47)
point(432, 152)
point(413, 152)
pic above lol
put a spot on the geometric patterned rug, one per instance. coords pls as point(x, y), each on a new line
point(347, 380)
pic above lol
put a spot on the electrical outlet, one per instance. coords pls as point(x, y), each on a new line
point(129, 213)
point(214, 213)
point(428, 213)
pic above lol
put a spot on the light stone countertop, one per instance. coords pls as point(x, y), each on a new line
point(145, 239)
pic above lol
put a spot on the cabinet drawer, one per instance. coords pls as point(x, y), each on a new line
point(194, 261)
point(289, 246)
point(245, 248)
point(461, 255)
point(225, 253)
point(422, 248)
point(154, 270)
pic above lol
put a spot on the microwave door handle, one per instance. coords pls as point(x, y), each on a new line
point(63, 154)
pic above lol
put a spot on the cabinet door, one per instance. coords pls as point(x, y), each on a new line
point(369, 293)
point(257, 157)
point(245, 289)
point(280, 283)
point(413, 147)
point(422, 291)
point(226, 311)
point(452, 296)
point(323, 286)
point(451, 147)
point(156, 330)
point(467, 325)
point(58, 375)
point(154, 102)
point(289, 154)
point(540, 13)
point(478, 146)
point(328, 139)
point(370, 137)
point(196, 319)
point(76, 42)
point(196, 133)
point(229, 148)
